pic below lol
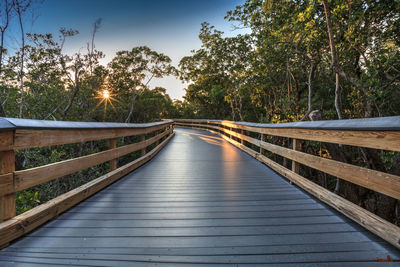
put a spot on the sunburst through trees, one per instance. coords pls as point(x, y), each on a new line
point(106, 96)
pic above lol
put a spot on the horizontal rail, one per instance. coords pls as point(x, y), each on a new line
point(28, 221)
point(13, 123)
point(362, 137)
point(40, 138)
point(381, 182)
point(16, 134)
point(27, 178)
point(365, 124)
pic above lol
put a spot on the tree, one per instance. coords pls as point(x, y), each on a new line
point(6, 9)
point(133, 70)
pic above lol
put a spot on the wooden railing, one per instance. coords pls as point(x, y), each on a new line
point(16, 134)
point(378, 133)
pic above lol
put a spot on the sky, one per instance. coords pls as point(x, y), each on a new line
point(170, 26)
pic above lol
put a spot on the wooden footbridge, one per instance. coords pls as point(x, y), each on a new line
point(201, 200)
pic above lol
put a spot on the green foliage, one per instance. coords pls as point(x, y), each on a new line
point(265, 74)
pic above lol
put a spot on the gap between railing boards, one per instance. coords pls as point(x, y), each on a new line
point(378, 133)
point(17, 134)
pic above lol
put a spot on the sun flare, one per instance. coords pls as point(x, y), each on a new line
point(106, 97)
point(106, 94)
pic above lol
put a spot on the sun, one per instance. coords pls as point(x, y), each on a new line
point(106, 96)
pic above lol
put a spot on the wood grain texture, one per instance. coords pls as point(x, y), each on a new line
point(27, 178)
point(142, 139)
point(112, 145)
point(297, 147)
point(6, 140)
point(6, 184)
point(40, 138)
point(7, 200)
point(28, 221)
point(384, 183)
point(263, 138)
point(387, 140)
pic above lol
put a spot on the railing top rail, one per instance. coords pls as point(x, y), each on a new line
point(366, 124)
point(13, 123)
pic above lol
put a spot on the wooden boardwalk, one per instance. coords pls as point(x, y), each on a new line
point(200, 201)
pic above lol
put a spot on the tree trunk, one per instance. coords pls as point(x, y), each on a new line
point(337, 97)
point(2, 113)
point(310, 87)
point(21, 71)
point(334, 57)
point(131, 107)
point(240, 107)
point(74, 93)
point(232, 110)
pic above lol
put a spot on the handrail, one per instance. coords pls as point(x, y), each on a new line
point(362, 132)
point(378, 133)
point(364, 124)
point(18, 134)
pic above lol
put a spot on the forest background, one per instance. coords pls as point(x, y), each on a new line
point(339, 57)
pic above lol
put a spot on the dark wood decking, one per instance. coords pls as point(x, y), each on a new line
point(200, 200)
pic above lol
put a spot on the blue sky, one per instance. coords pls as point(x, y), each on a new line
point(169, 26)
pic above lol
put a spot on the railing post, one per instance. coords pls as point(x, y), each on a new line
point(158, 141)
point(113, 162)
point(241, 139)
point(297, 147)
point(7, 168)
point(263, 136)
point(143, 138)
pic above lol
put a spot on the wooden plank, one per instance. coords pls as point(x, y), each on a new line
point(142, 139)
point(40, 138)
point(387, 140)
point(6, 183)
point(113, 162)
point(384, 183)
point(7, 167)
point(27, 178)
point(297, 147)
point(249, 139)
point(26, 222)
point(225, 250)
point(333, 258)
point(263, 138)
point(194, 231)
point(6, 140)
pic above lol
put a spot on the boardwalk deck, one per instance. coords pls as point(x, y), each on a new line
point(199, 201)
